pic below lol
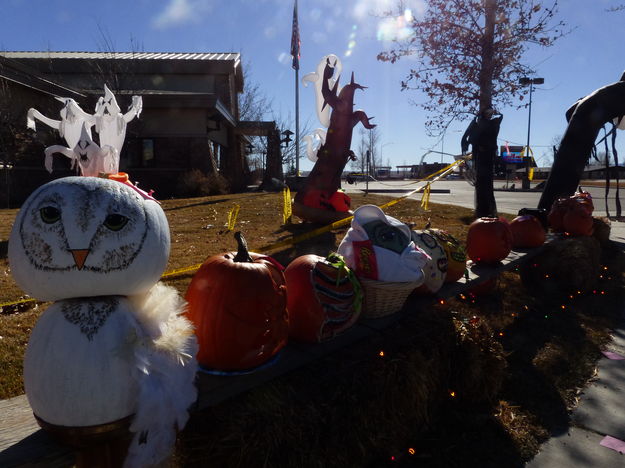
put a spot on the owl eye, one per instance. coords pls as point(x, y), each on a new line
point(115, 222)
point(50, 214)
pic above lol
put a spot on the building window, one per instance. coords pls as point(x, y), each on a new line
point(147, 153)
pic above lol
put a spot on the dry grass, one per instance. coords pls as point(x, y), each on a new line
point(476, 378)
point(198, 230)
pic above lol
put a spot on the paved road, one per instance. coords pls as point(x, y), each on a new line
point(461, 193)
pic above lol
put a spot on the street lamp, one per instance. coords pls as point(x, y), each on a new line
point(529, 81)
point(286, 140)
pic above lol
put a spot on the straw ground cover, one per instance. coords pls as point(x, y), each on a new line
point(480, 378)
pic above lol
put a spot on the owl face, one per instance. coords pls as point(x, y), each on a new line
point(85, 237)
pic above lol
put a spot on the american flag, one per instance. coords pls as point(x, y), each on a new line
point(295, 42)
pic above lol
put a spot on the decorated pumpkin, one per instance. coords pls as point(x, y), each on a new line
point(455, 252)
point(114, 350)
point(527, 232)
point(379, 247)
point(435, 271)
point(237, 302)
point(489, 240)
point(324, 297)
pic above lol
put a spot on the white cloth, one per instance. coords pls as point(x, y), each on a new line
point(382, 264)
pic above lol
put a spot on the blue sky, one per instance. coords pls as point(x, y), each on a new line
point(586, 59)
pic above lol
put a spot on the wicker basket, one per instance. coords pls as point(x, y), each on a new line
point(383, 298)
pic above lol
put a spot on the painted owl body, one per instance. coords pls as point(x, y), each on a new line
point(115, 343)
point(64, 361)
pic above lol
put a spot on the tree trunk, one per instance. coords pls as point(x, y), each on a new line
point(483, 152)
point(586, 119)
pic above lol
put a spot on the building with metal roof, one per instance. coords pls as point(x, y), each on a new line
point(190, 107)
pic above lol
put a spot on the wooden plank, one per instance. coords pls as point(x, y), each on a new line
point(22, 443)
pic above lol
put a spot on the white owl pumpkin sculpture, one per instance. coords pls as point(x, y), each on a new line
point(115, 343)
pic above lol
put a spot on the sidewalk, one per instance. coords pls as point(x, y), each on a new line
point(596, 438)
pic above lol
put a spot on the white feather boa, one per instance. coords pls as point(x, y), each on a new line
point(165, 350)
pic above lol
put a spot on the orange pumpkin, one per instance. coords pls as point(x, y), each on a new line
point(572, 214)
point(527, 231)
point(577, 221)
point(489, 240)
point(237, 302)
point(323, 297)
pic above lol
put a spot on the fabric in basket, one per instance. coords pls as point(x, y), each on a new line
point(379, 247)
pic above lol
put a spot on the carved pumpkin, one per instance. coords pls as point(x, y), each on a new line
point(323, 297)
point(527, 232)
point(456, 255)
point(489, 240)
point(237, 302)
point(435, 270)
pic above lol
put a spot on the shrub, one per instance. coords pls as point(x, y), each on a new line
point(197, 184)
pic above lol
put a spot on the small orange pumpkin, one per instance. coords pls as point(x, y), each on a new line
point(489, 240)
point(237, 302)
point(573, 214)
point(527, 232)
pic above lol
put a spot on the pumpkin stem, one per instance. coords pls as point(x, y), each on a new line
point(243, 254)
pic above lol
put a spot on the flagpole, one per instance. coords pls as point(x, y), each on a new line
point(297, 122)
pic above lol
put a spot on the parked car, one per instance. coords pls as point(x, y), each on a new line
point(352, 177)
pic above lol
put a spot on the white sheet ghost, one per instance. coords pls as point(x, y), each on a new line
point(110, 123)
point(90, 157)
point(314, 141)
point(316, 77)
point(70, 127)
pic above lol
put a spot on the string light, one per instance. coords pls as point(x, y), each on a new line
point(411, 451)
point(452, 394)
point(381, 353)
point(442, 302)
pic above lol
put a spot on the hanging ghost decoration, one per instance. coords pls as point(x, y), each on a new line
point(110, 123)
point(91, 159)
point(70, 127)
point(75, 125)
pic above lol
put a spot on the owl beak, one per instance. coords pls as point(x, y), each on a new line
point(79, 257)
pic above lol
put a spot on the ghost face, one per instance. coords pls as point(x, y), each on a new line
point(107, 106)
